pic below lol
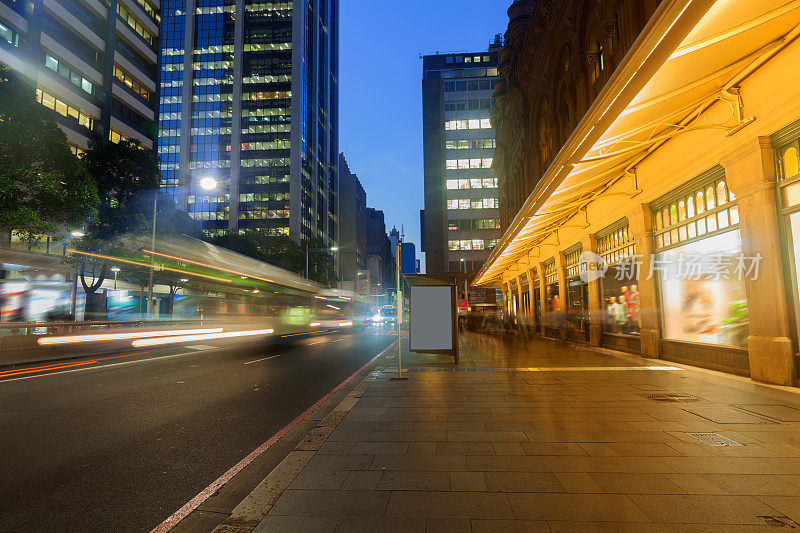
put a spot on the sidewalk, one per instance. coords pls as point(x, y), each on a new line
point(539, 436)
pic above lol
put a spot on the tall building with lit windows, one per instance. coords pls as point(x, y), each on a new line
point(249, 98)
point(93, 63)
point(460, 222)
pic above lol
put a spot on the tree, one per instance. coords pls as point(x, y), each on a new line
point(278, 250)
point(44, 188)
point(124, 173)
point(320, 261)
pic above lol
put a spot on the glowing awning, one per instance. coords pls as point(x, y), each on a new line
point(690, 56)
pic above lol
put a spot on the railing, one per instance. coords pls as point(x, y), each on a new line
point(49, 328)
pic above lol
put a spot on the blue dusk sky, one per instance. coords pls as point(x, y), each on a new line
point(380, 90)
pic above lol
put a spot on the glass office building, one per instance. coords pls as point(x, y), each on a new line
point(92, 63)
point(250, 99)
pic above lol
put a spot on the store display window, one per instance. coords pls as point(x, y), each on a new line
point(699, 264)
point(577, 289)
point(620, 285)
point(552, 298)
point(536, 299)
point(787, 155)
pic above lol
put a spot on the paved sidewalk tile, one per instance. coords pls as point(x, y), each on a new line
point(532, 435)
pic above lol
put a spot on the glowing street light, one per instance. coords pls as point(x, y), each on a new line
point(208, 183)
point(115, 270)
point(78, 233)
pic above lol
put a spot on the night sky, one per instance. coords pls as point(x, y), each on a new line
point(380, 86)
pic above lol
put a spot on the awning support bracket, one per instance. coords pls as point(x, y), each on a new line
point(733, 95)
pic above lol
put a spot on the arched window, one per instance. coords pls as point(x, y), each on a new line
point(600, 59)
point(790, 163)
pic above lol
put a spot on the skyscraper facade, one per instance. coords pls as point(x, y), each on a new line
point(461, 217)
point(92, 63)
point(250, 99)
point(352, 226)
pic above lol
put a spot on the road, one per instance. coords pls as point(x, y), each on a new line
point(121, 443)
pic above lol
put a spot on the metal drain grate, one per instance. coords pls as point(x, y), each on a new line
point(715, 439)
point(779, 521)
point(673, 397)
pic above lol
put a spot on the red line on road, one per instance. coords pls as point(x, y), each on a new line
point(207, 492)
point(59, 366)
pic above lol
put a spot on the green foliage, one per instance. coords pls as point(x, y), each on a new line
point(44, 188)
point(125, 173)
point(320, 261)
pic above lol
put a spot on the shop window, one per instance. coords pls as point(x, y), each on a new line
point(551, 286)
point(691, 215)
point(700, 266)
point(619, 287)
point(577, 289)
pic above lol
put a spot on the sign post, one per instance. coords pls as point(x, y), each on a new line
point(399, 319)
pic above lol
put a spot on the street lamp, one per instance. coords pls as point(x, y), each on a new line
point(207, 183)
point(115, 270)
point(466, 295)
point(78, 234)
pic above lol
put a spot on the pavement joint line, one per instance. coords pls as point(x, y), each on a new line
point(744, 379)
point(547, 369)
point(211, 489)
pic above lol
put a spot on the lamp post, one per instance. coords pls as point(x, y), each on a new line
point(115, 270)
point(208, 184)
point(466, 294)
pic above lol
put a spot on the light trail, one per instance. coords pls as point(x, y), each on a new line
point(209, 336)
point(198, 263)
point(99, 337)
point(147, 265)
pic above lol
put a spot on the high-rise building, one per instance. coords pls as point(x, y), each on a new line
point(352, 227)
point(380, 262)
point(93, 63)
point(461, 217)
point(250, 99)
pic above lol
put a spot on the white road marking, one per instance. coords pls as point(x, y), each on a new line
point(338, 340)
point(263, 359)
point(201, 347)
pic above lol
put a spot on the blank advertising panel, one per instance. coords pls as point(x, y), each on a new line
point(431, 315)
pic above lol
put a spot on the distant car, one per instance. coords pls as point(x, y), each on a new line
point(385, 315)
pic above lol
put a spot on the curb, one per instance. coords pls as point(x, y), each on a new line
point(246, 516)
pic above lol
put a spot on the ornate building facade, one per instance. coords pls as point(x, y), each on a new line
point(648, 156)
point(558, 56)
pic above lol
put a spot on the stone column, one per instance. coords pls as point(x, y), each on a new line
point(562, 293)
point(640, 222)
point(750, 174)
point(595, 304)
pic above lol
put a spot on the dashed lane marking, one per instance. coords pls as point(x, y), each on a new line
point(263, 359)
point(202, 347)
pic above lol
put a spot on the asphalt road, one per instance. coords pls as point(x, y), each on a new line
point(121, 443)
